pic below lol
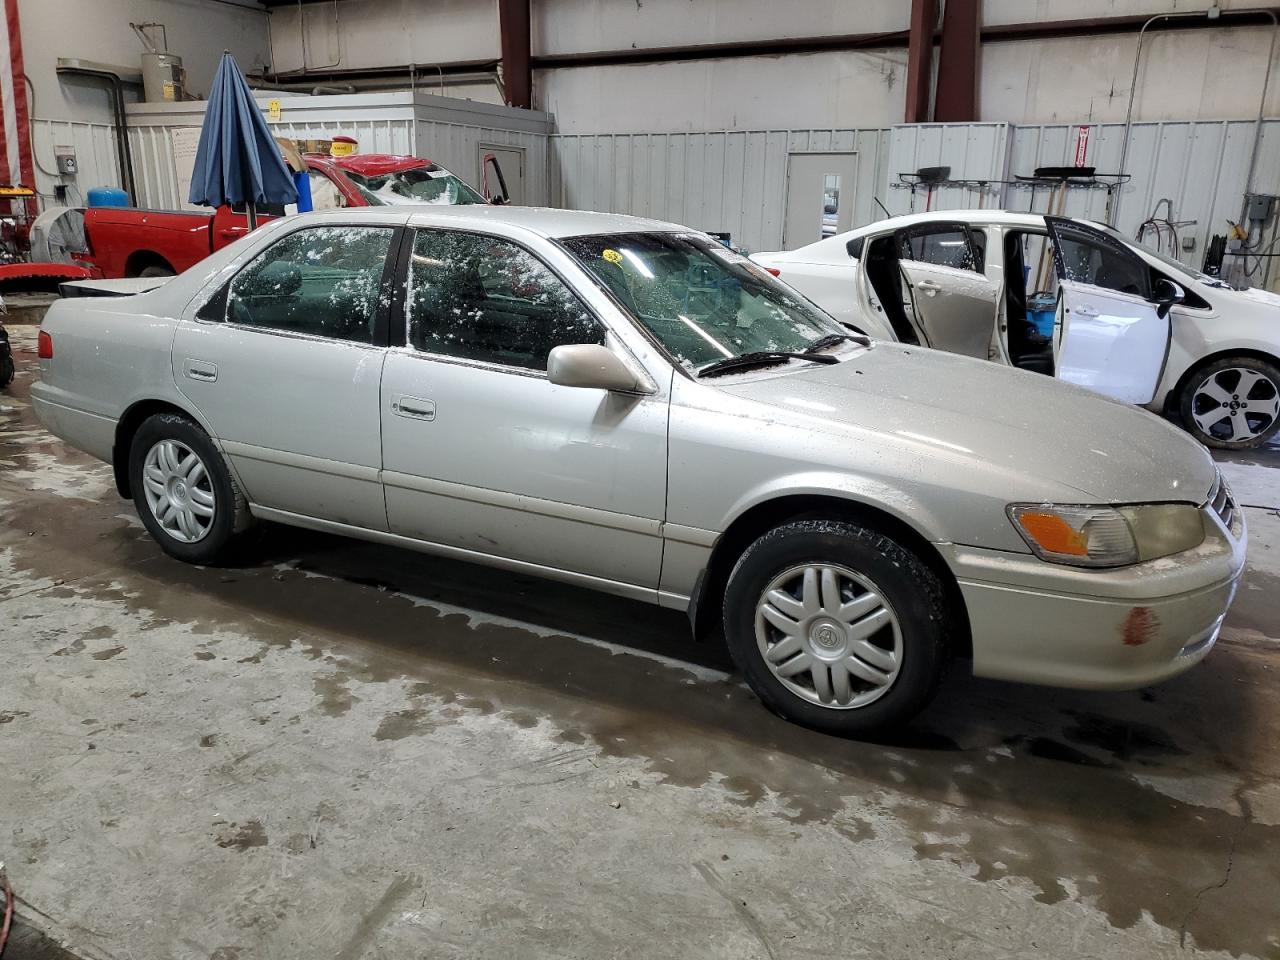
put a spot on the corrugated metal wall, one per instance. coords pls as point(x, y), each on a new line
point(456, 147)
point(736, 181)
point(94, 145)
point(1200, 166)
point(973, 151)
point(720, 181)
point(381, 123)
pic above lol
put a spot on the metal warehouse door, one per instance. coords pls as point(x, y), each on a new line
point(820, 189)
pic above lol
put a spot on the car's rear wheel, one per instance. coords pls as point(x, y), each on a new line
point(837, 626)
point(1233, 403)
point(183, 491)
point(156, 270)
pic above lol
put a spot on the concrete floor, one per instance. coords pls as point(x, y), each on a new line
point(347, 751)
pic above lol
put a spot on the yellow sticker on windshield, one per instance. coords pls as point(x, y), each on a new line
point(613, 256)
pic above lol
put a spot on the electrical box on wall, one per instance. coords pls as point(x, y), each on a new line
point(1261, 207)
point(66, 162)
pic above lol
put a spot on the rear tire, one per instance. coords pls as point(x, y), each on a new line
point(156, 271)
point(1232, 403)
point(184, 492)
point(837, 627)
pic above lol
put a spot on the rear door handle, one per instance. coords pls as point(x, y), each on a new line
point(200, 370)
point(928, 286)
point(415, 408)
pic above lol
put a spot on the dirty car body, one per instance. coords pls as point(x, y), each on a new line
point(625, 405)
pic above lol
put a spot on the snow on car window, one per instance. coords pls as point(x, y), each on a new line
point(324, 281)
point(701, 300)
point(484, 298)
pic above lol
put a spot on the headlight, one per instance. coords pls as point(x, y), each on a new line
point(1107, 536)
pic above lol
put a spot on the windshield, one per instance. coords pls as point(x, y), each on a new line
point(430, 184)
point(702, 301)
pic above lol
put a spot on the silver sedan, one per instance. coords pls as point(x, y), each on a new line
point(627, 405)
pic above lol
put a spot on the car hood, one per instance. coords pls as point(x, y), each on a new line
point(1025, 424)
point(1257, 295)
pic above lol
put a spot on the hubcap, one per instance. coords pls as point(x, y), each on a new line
point(179, 490)
point(1236, 404)
point(829, 636)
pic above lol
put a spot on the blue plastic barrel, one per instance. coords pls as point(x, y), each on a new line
point(107, 197)
point(1042, 310)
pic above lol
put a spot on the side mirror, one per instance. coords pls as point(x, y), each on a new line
point(592, 366)
point(1165, 293)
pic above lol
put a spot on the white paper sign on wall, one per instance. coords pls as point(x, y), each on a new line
point(185, 141)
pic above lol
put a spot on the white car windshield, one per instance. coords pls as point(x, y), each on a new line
point(701, 300)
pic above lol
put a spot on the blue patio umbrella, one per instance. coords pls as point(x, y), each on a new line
point(237, 161)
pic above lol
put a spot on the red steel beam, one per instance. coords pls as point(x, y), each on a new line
point(517, 70)
point(956, 100)
point(924, 18)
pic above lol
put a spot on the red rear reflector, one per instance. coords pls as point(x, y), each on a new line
point(44, 346)
point(774, 270)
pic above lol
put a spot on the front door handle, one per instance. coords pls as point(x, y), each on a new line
point(1086, 312)
point(414, 407)
point(929, 287)
point(200, 370)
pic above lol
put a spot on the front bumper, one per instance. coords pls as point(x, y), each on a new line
point(1038, 622)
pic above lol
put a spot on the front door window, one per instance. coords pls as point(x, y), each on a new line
point(486, 299)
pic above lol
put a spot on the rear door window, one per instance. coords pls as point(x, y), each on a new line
point(321, 281)
point(943, 245)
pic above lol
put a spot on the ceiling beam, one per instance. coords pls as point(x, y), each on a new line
point(924, 20)
point(956, 96)
point(517, 69)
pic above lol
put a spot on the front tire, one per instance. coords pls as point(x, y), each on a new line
point(1233, 403)
point(183, 491)
point(837, 627)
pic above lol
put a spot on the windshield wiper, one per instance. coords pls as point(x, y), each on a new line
point(760, 358)
point(830, 340)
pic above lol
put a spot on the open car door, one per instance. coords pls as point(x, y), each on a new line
point(952, 299)
point(1112, 338)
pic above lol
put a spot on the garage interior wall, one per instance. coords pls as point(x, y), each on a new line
point(446, 130)
point(735, 181)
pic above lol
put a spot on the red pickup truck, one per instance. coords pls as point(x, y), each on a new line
point(129, 242)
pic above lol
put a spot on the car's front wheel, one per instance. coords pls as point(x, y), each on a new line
point(183, 491)
point(837, 626)
point(1233, 403)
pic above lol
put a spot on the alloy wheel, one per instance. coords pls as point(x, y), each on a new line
point(1236, 404)
point(828, 635)
point(179, 490)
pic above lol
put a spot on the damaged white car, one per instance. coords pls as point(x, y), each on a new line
point(1061, 297)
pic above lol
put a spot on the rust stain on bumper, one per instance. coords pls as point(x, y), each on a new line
point(1139, 627)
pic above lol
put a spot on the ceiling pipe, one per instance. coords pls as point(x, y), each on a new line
point(1214, 14)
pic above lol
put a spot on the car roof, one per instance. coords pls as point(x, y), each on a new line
point(833, 249)
point(545, 221)
point(1006, 217)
